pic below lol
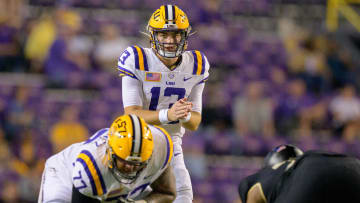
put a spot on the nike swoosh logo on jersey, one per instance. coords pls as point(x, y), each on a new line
point(185, 79)
point(177, 154)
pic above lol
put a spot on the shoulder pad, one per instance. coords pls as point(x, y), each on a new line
point(133, 59)
point(201, 64)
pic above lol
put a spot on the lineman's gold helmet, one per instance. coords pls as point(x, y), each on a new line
point(130, 141)
point(169, 18)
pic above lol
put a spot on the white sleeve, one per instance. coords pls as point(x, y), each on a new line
point(131, 92)
point(126, 63)
point(81, 181)
point(196, 97)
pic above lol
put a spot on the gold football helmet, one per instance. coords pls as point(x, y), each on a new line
point(130, 142)
point(169, 18)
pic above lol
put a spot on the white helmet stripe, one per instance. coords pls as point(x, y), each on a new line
point(136, 144)
point(170, 13)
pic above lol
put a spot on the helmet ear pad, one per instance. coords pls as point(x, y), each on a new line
point(282, 153)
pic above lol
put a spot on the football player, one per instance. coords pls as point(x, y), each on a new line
point(289, 175)
point(128, 162)
point(164, 84)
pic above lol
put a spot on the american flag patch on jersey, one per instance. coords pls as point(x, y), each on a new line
point(153, 77)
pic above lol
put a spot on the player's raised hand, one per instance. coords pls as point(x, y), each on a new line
point(187, 103)
point(179, 110)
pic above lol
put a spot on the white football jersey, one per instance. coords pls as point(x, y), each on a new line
point(162, 87)
point(89, 172)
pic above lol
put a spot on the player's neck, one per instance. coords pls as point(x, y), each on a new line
point(171, 63)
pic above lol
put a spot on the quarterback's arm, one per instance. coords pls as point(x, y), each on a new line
point(195, 98)
point(194, 121)
point(164, 189)
point(132, 100)
point(174, 113)
point(150, 117)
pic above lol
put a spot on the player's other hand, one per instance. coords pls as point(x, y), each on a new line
point(179, 110)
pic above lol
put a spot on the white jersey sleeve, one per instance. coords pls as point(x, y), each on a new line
point(132, 61)
point(132, 93)
point(196, 97)
point(201, 66)
point(87, 177)
point(207, 68)
point(87, 174)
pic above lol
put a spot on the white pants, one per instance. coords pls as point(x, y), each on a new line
point(54, 185)
point(184, 193)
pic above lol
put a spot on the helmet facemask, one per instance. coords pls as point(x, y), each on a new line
point(160, 47)
point(119, 173)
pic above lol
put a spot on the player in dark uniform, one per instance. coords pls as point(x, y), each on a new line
point(291, 176)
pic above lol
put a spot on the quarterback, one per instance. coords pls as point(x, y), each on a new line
point(128, 162)
point(164, 84)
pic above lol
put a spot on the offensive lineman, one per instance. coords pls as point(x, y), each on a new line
point(126, 162)
point(164, 84)
point(292, 176)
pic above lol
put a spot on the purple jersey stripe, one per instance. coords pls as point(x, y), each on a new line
point(92, 182)
point(203, 80)
point(203, 63)
point(127, 72)
point(97, 134)
point(195, 62)
point(136, 57)
point(96, 168)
